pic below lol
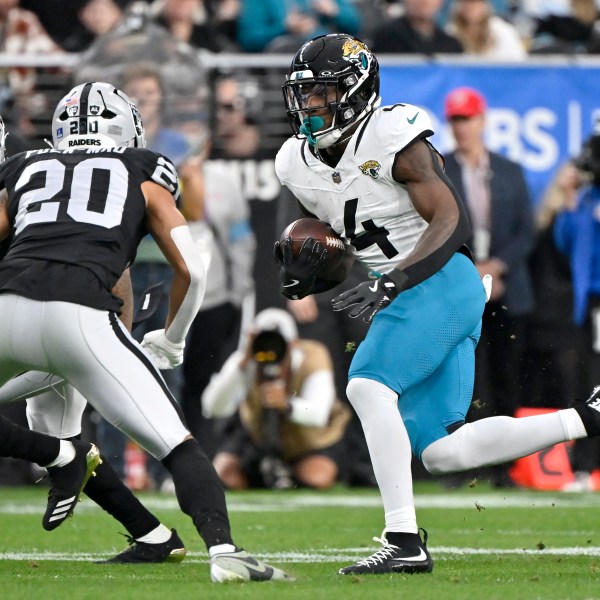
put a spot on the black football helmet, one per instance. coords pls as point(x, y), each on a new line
point(335, 71)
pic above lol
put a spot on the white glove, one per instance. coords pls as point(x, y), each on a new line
point(164, 354)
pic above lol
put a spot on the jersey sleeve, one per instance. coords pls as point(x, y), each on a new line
point(397, 127)
point(159, 169)
point(401, 124)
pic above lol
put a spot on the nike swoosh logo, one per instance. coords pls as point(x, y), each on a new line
point(420, 557)
point(254, 565)
point(294, 282)
point(411, 121)
point(374, 288)
point(256, 570)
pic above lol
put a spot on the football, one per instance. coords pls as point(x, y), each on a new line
point(339, 256)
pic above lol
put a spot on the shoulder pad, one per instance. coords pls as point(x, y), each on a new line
point(159, 169)
point(402, 123)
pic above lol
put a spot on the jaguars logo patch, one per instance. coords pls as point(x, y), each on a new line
point(371, 168)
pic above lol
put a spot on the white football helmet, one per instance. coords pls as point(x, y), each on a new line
point(97, 114)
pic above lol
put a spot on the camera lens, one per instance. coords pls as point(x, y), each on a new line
point(269, 347)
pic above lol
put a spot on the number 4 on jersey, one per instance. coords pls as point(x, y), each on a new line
point(372, 234)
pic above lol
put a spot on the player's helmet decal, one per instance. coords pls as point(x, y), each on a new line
point(332, 84)
point(355, 51)
point(97, 114)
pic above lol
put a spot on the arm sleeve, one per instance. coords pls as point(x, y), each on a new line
point(313, 406)
point(197, 267)
point(226, 390)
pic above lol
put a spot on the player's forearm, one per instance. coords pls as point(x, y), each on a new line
point(448, 230)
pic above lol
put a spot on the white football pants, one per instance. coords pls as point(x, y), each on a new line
point(94, 352)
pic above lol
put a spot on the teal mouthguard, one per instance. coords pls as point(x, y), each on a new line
point(309, 125)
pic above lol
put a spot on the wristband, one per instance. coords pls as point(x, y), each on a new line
point(398, 278)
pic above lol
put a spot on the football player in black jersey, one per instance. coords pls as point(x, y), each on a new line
point(76, 213)
point(56, 409)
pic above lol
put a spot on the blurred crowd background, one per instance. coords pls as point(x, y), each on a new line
point(207, 75)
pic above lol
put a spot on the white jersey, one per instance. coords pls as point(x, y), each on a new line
point(359, 197)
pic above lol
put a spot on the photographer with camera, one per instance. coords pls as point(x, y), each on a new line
point(285, 424)
point(577, 235)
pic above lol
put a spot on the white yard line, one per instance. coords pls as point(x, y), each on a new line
point(322, 555)
point(278, 502)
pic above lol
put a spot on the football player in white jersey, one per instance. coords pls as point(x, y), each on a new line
point(371, 173)
point(76, 214)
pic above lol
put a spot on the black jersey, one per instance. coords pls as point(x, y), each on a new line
point(78, 217)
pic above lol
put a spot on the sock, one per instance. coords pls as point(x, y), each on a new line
point(159, 535)
point(199, 492)
point(112, 495)
point(402, 539)
point(389, 448)
point(401, 520)
point(221, 549)
point(65, 455)
point(19, 442)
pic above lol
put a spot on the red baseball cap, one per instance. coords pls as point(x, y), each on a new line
point(464, 102)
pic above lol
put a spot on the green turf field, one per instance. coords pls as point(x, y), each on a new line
point(487, 545)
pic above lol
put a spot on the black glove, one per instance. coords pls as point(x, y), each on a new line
point(298, 276)
point(369, 297)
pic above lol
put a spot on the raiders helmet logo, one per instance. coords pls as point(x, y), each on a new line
point(371, 168)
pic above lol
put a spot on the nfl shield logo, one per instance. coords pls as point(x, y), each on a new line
point(336, 177)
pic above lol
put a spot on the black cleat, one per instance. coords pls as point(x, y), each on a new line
point(67, 482)
point(171, 551)
point(589, 411)
point(392, 559)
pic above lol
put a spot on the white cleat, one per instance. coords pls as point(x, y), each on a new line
point(241, 566)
